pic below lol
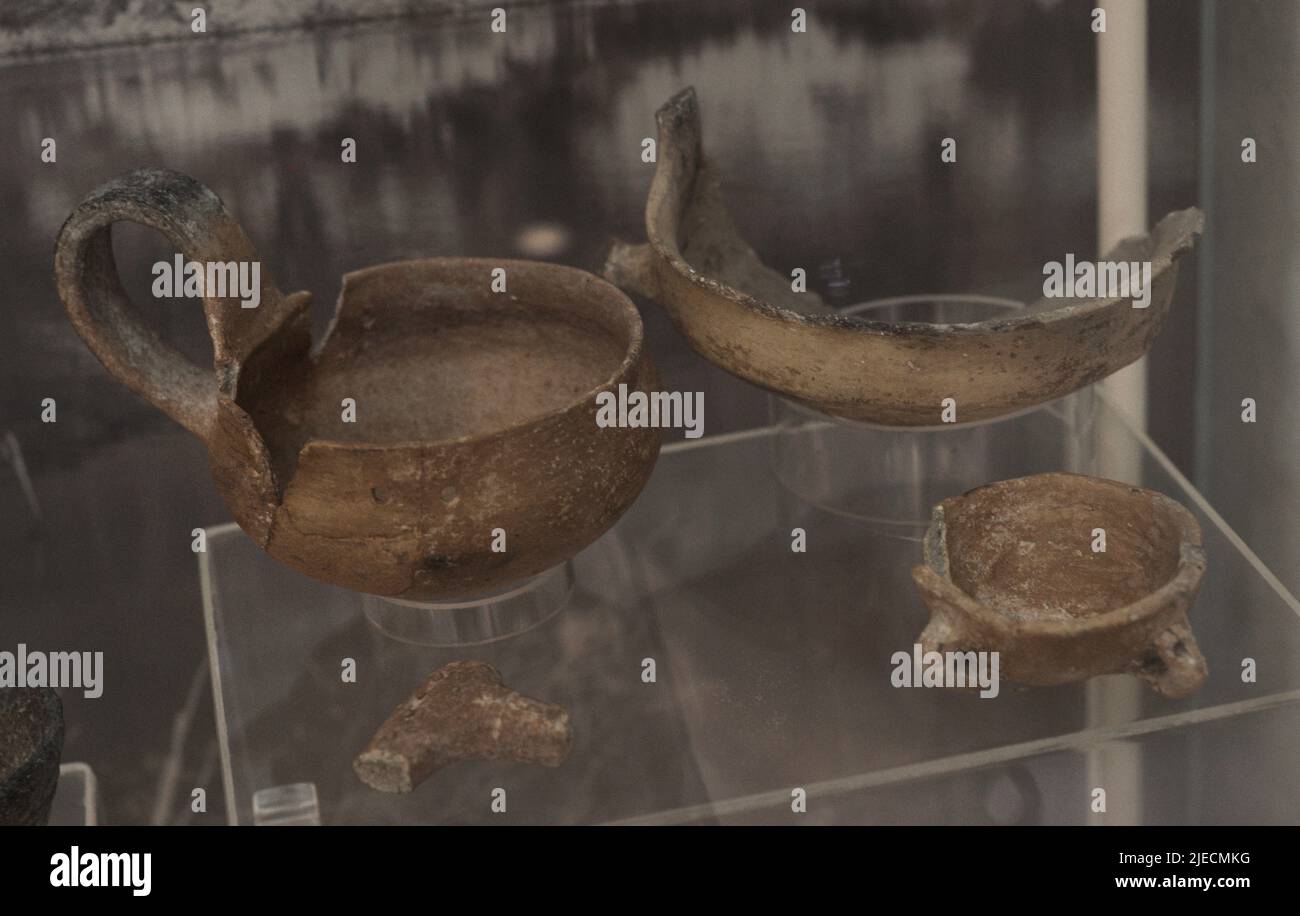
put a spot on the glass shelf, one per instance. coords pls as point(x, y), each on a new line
point(772, 672)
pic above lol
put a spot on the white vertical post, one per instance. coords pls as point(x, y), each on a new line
point(1121, 211)
point(1122, 160)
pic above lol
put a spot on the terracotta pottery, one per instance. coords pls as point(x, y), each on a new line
point(746, 319)
point(31, 744)
point(473, 409)
point(462, 711)
point(1010, 567)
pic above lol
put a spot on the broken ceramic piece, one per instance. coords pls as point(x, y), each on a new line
point(1012, 567)
point(746, 318)
point(31, 745)
point(437, 411)
point(461, 712)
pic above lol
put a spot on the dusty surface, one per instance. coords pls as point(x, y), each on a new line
point(461, 712)
point(1029, 555)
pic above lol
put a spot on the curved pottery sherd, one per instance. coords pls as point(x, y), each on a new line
point(1010, 567)
point(31, 744)
point(472, 410)
point(746, 319)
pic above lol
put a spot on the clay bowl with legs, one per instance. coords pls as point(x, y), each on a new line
point(1014, 567)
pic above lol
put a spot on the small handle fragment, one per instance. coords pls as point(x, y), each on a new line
point(1179, 667)
point(944, 632)
point(461, 712)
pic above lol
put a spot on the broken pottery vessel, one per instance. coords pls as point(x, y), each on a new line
point(461, 712)
point(473, 409)
point(1010, 567)
point(31, 745)
point(746, 319)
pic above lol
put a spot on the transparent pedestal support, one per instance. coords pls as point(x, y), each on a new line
point(76, 799)
point(476, 620)
point(293, 805)
point(889, 478)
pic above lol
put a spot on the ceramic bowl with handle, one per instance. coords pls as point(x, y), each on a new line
point(441, 440)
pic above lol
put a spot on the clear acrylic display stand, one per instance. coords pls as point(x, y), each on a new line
point(889, 478)
point(771, 672)
point(287, 806)
point(475, 620)
point(76, 798)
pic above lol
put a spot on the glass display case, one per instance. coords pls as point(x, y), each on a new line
point(771, 666)
point(724, 651)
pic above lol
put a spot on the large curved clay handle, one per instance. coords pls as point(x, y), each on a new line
point(194, 220)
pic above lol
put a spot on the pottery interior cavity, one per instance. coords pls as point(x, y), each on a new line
point(474, 409)
point(1028, 560)
point(746, 319)
point(1010, 567)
